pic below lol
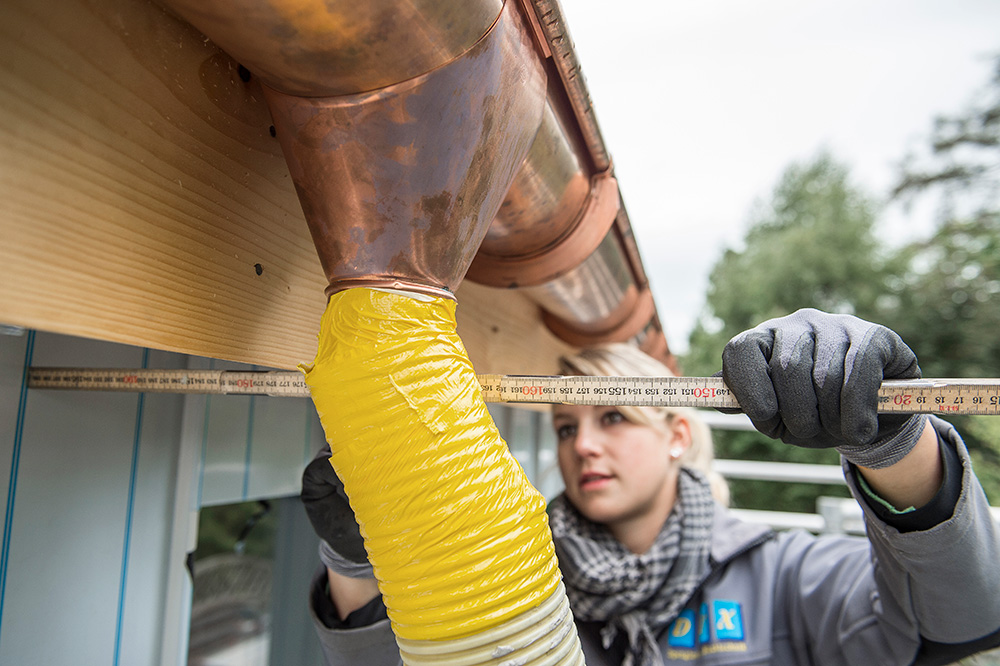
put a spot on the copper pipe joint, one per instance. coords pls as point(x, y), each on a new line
point(626, 321)
point(400, 185)
point(581, 238)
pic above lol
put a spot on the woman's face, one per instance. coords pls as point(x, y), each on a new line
point(616, 472)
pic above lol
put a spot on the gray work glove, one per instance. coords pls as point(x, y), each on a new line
point(811, 379)
point(341, 547)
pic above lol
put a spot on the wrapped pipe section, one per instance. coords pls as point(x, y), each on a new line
point(457, 536)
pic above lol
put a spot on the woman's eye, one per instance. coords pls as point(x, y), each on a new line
point(565, 432)
point(613, 417)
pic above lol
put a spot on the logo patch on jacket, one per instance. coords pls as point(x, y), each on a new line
point(728, 620)
point(716, 627)
point(682, 630)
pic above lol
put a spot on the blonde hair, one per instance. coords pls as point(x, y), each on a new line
point(624, 360)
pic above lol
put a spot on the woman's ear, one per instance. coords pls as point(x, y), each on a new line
point(679, 436)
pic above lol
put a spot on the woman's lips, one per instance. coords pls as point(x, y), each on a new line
point(594, 480)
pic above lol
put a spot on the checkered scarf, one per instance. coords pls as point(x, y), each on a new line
point(635, 594)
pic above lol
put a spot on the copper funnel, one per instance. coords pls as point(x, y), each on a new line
point(400, 185)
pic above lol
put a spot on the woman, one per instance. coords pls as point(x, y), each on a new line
point(658, 572)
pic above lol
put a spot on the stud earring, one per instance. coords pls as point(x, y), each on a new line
point(676, 452)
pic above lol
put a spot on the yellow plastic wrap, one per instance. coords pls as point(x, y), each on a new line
point(458, 537)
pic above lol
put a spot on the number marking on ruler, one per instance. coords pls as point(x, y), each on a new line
point(948, 396)
point(943, 396)
point(272, 382)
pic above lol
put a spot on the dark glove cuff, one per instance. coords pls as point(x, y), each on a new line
point(887, 451)
point(343, 566)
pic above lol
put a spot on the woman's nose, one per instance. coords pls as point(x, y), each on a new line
point(588, 440)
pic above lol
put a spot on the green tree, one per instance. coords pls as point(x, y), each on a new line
point(246, 527)
point(963, 160)
point(945, 297)
point(811, 245)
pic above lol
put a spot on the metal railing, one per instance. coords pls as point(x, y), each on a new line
point(834, 515)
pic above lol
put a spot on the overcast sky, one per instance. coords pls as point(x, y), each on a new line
point(704, 103)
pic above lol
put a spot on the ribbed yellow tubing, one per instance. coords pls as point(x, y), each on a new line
point(458, 537)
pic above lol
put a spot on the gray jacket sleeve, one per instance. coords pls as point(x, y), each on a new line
point(849, 601)
point(371, 645)
point(945, 579)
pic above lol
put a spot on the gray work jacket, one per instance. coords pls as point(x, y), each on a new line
point(797, 599)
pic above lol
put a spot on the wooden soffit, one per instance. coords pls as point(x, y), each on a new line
point(144, 200)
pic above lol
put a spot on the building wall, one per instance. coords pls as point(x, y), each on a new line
point(102, 493)
point(88, 508)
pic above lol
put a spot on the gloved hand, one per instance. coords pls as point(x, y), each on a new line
point(812, 379)
point(341, 547)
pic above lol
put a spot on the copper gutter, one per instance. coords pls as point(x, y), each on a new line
point(562, 234)
point(552, 23)
point(564, 199)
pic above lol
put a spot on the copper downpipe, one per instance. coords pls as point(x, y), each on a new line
point(399, 184)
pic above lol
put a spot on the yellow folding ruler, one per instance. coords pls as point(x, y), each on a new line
point(945, 396)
